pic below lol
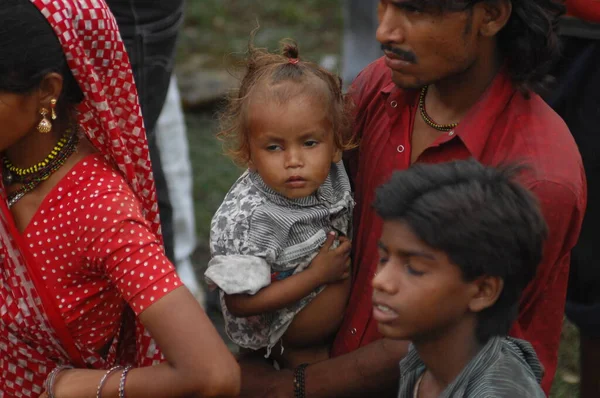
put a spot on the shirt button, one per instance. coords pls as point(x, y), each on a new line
point(353, 331)
point(394, 104)
point(400, 148)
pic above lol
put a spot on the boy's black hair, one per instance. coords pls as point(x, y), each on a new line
point(481, 217)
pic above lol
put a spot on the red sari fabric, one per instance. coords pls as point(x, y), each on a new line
point(38, 330)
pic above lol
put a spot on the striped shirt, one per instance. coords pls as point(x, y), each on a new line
point(504, 368)
point(258, 235)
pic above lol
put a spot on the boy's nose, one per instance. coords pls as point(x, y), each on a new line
point(383, 281)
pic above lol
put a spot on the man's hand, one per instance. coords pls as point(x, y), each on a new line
point(370, 371)
point(261, 379)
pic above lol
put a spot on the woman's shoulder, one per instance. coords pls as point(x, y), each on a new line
point(96, 176)
point(94, 186)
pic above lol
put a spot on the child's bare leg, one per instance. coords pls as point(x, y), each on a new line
point(320, 320)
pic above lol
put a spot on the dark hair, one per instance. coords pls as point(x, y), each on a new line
point(267, 70)
point(30, 50)
point(485, 221)
point(529, 42)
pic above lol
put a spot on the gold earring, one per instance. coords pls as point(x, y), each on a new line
point(52, 106)
point(44, 125)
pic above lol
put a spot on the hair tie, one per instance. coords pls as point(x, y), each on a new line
point(294, 61)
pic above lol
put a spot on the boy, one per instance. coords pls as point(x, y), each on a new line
point(460, 242)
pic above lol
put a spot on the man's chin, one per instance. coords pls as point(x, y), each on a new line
point(407, 82)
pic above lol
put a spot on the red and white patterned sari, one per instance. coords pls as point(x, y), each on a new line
point(33, 336)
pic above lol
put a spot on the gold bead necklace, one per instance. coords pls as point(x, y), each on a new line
point(427, 118)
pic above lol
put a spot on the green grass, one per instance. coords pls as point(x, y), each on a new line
point(213, 172)
point(567, 376)
point(215, 28)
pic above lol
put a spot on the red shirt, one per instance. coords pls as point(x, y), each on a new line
point(501, 127)
point(587, 10)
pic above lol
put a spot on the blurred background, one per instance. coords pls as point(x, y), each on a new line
point(214, 37)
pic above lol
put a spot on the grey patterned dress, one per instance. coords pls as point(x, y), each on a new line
point(258, 234)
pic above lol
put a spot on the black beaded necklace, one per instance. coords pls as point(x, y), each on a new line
point(34, 176)
point(427, 118)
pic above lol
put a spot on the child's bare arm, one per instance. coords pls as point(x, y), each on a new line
point(330, 265)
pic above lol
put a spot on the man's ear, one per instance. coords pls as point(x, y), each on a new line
point(494, 15)
point(487, 291)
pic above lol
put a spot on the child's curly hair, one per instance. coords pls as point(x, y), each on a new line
point(264, 68)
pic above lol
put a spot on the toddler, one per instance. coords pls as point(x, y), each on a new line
point(280, 253)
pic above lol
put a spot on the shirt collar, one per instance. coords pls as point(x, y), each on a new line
point(477, 125)
point(482, 361)
point(389, 88)
point(412, 365)
point(325, 194)
point(410, 362)
point(475, 128)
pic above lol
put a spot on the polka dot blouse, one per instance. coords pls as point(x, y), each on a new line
point(96, 252)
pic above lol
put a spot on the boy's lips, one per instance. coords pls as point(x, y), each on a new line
point(383, 313)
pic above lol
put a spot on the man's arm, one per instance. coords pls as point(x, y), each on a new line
point(370, 371)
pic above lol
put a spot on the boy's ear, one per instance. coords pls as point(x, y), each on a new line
point(488, 289)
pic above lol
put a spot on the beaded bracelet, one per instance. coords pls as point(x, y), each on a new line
point(122, 382)
point(299, 381)
point(103, 379)
point(51, 379)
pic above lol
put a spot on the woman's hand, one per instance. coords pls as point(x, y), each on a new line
point(78, 383)
point(332, 265)
point(186, 337)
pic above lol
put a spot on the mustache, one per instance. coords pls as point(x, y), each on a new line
point(404, 55)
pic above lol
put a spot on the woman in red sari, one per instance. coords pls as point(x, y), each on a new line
point(84, 281)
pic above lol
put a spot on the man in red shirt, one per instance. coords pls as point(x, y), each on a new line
point(456, 82)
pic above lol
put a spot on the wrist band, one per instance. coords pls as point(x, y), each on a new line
point(122, 382)
point(299, 381)
point(103, 379)
point(49, 383)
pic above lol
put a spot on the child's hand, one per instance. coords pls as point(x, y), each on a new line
point(332, 265)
